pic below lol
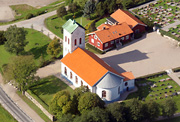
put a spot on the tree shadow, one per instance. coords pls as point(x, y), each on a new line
point(38, 51)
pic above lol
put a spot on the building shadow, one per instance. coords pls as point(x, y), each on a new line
point(132, 56)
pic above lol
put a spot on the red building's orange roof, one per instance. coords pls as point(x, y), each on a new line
point(108, 33)
point(87, 65)
point(124, 16)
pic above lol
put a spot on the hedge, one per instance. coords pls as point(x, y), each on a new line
point(168, 34)
point(78, 14)
point(94, 48)
point(29, 16)
point(68, 16)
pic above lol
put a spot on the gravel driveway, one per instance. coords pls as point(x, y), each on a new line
point(152, 53)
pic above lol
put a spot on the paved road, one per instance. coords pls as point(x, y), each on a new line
point(17, 113)
point(37, 22)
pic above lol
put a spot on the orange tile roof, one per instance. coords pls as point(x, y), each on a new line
point(125, 16)
point(127, 76)
point(87, 65)
point(113, 32)
point(102, 26)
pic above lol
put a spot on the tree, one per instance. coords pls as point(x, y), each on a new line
point(88, 101)
point(153, 111)
point(80, 3)
point(2, 38)
point(149, 23)
point(89, 8)
point(66, 118)
point(67, 2)
point(61, 11)
point(117, 112)
point(54, 48)
point(22, 69)
point(136, 110)
point(100, 9)
point(15, 39)
point(73, 7)
point(169, 107)
point(127, 3)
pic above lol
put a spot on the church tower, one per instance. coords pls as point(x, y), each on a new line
point(73, 36)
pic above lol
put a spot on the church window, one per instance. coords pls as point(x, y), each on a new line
point(126, 83)
point(65, 38)
point(103, 93)
point(80, 41)
point(68, 40)
point(65, 70)
point(81, 83)
point(71, 75)
point(119, 90)
point(76, 80)
point(75, 42)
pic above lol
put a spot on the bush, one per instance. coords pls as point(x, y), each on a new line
point(90, 26)
point(78, 14)
point(40, 12)
point(29, 16)
point(68, 16)
point(94, 48)
point(2, 38)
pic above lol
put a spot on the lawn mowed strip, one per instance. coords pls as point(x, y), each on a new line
point(5, 116)
point(37, 44)
point(49, 87)
point(159, 93)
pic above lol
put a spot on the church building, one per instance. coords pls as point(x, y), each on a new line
point(83, 68)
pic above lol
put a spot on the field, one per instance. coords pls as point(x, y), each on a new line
point(37, 45)
point(157, 89)
point(5, 116)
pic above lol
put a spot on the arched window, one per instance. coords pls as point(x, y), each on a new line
point(71, 75)
point(75, 42)
point(68, 40)
point(119, 90)
point(81, 83)
point(103, 93)
point(80, 41)
point(76, 80)
point(65, 70)
point(126, 83)
point(65, 38)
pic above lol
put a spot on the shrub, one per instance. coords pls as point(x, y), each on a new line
point(2, 38)
point(68, 16)
point(90, 26)
point(29, 16)
point(78, 14)
point(39, 13)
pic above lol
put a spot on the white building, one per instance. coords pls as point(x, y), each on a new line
point(84, 68)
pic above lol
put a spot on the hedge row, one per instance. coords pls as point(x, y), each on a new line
point(70, 15)
point(168, 34)
point(94, 48)
point(30, 15)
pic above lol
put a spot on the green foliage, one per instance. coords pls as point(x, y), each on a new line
point(66, 118)
point(2, 38)
point(89, 8)
point(40, 12)
point(90, 26)
point(29, 16)
point(5, 116)
point(117, 112)
point(78, 14)
point(169, 108)
point(100, 9)
point(94, 48)
point(72, 7)
point(68, 16)
point(80, 3)
point(15, 39)
point(22, 69)
point(61, 11)
point(88, 101)
point(67, 2)
point(54, 48)
point(127, 3)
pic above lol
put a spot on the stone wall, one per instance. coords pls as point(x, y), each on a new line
point(40, 106)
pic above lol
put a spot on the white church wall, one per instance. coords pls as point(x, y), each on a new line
point(130, 84)
point(73, 79)
point(66, 46)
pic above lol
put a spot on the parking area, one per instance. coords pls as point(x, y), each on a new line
point(150, 54)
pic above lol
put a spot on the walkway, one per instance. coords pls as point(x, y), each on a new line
point(174, 76)
point(11, 92)
point(166, 28)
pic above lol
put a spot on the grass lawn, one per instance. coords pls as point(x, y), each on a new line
point(34, 107)
point(23, 9)
point(47, 90)
point(5, 116)
point(157, 93)
point(37, 45)
point(54, 23)
point(98, 23)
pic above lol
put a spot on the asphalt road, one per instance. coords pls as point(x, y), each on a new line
point(17, 113)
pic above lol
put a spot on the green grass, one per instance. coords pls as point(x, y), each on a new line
point(54, 23)
point(47, 90)
point(5, 116)
point(146, 91)
point(98, 23)
point(37, 45)
point(34, 107)
point(23, 9)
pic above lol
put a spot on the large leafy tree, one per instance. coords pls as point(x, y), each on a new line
point(89, 8)
point(2, 38)
point(54, 48)
point(15, 39)
point(100, 9)
point(88, 101)
point(22, 70)
point(169, 108)
point(80, 3)
point(61, 11)
point(73, 7)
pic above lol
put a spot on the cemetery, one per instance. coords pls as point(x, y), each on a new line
point(175, 31)
point(162, 12)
